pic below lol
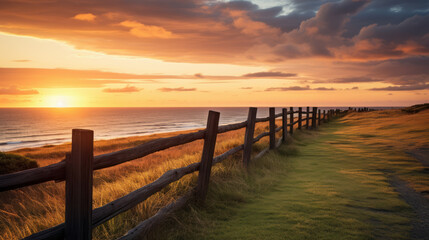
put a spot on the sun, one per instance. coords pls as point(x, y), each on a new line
point(60, 104)
point(58, 101)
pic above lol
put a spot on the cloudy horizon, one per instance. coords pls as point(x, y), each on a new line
point(223, 53)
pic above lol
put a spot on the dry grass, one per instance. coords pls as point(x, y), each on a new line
point(32, 209)
point(390, 134)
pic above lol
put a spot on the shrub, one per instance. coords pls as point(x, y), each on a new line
point(13, 163)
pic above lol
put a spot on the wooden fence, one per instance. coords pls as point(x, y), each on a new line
point(78, 166)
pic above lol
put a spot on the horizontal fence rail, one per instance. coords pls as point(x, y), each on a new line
point(80, 221)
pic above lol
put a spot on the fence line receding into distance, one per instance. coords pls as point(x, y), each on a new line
point(78, 166)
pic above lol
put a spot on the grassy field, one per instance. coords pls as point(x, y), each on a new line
point(327, 184)
point(31, 209)
point(335, 183)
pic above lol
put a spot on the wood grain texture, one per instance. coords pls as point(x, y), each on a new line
point(248, 136)
point(207, 156)
point(272, 126)
point(79, 186)
point(284, 123)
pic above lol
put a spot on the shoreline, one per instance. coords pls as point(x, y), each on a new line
point(107, 125)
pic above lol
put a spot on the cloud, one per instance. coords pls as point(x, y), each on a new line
point(229, 32)
point(179, 89)
point(298, 88)
point(21, 60)
point(348, 80)
point(246, 88)
point(198, 75)
point(354, 80)
point(403, 88)
point(126, 89)
point(68, 78)
point(355, 88)
point(16, 91)
point(405, 38)
point(324, 89)
point(269, 75)
point(85, 17)
point(293, 88)
point(146, 31)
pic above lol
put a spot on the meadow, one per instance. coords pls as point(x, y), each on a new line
point(31, 209)
point(330, 183)
point(340, 182)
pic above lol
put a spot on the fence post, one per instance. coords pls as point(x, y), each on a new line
point(299, 118)
point(207, 156)
point(79, 168)
point(291, 120)
point(284, 121)
point(313, 118)
point(324, 116)
point(319, 119)
point(248, 137)
point(308, 118)
point(272, 128)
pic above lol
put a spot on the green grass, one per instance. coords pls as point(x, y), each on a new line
point(10, 163)
point(328, 184)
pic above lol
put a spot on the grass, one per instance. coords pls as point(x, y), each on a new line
point(10, 163)
point(31, 209)
point(329, 184)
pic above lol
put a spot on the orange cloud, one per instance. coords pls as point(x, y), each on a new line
point(126, 89)
point(146, 31)
point(85, 17)
point(179, 89)
point(16, 91)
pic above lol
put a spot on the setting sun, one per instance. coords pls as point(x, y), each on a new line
point(58, 101)
point(116, 111)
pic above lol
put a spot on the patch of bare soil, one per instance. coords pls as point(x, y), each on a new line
point(421, 154)
point(418, 202)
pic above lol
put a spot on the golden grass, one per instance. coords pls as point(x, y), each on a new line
point(391, 133)
point(31, 209)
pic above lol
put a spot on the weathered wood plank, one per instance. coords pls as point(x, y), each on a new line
point(144, 227)
point(272, 128)
point(261, 153)
point(262, 119)
point(207, 156)
point(248, 137)
point(79, 186)
point(57, 171)
point(291, 121)
point(307, 126)
point(314, 118)
point(284, 123)
point(228, 153)
point(260, 136)
point(231, 127)
point(319, 120)
point(299, 118)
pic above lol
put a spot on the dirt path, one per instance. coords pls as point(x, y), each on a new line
point(420, 205)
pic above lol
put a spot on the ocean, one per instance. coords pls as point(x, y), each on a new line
point(34, 127)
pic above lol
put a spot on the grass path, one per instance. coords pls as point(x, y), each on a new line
point(336, 187)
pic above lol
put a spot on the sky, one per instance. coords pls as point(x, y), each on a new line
point(195, 53)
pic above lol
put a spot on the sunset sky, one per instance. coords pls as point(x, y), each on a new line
point(185, 53)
